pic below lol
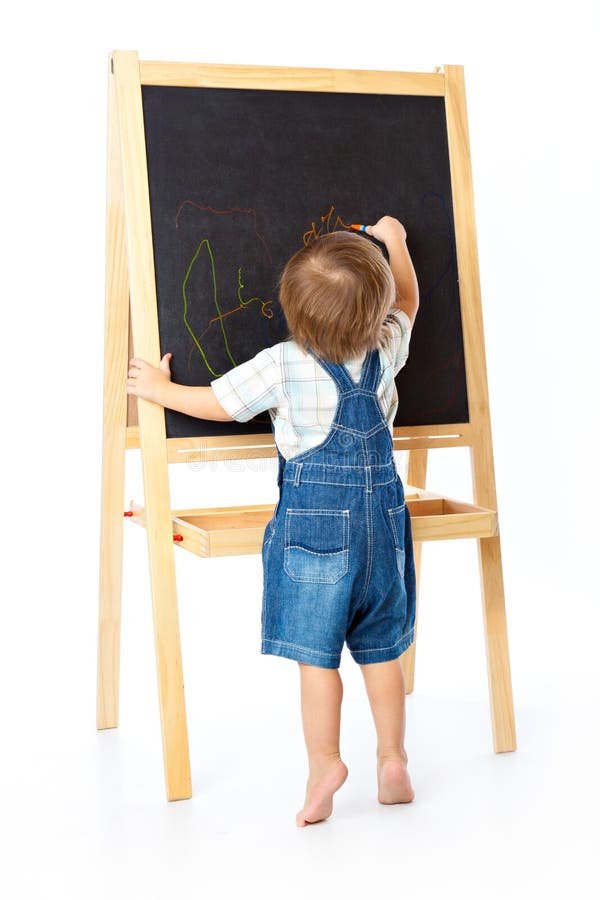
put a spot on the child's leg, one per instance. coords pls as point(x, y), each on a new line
point(321, 692)
point(386, 691)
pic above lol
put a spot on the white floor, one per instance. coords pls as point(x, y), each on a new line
point(86, 814)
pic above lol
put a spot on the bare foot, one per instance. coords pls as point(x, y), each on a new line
point(394, 782)
point(320, 789)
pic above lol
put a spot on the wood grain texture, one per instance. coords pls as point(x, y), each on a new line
point(482, 462)
point(116, 315)
point(144, 321)
point(239, 530)
point(182, 74)
point(251, 446)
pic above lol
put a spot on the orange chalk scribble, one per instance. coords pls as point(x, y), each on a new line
point(326, 227)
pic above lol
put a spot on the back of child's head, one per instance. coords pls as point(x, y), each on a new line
point(335, 293)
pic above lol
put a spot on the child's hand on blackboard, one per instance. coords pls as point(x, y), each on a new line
point(387, 230)
point(147, 381)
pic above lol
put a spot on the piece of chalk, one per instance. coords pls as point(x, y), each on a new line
point(359, 227)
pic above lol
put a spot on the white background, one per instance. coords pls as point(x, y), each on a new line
point(85, 811)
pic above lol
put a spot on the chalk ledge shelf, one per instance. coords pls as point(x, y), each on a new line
point(239, 530)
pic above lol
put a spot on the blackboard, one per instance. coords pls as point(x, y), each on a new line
point(239, 177)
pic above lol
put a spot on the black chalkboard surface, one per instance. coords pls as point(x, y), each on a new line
point(239, 177)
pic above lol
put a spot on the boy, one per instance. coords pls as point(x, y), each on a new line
point(337, 554)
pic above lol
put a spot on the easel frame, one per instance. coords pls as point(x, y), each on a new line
point(131, 313)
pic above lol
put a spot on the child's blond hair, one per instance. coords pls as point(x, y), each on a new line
point(335, 294)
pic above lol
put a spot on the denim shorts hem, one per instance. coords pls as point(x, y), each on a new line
point(384, 654)
point(301, 654)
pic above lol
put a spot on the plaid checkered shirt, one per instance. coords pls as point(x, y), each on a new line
point(298, 393)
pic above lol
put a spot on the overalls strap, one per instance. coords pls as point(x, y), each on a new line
point(369, 376)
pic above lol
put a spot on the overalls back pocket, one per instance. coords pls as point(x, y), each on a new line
point(316, 544)
point(396, 516)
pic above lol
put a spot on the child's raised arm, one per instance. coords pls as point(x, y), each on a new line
point(393, 234)
point(154, 384)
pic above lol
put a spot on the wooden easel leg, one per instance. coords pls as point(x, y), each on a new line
point(482, 462)
point(416, 476)
point(111, 565)
point(496, 642)
point(126, 83)
point(169, 667)
point(111, 573)
point(114, 436)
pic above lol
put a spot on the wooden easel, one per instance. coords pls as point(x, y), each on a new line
point(131, 311)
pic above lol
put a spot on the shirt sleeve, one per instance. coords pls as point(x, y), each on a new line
point(250, 388)
point(398, 337)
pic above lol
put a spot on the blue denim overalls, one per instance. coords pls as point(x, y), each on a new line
point(337, 554)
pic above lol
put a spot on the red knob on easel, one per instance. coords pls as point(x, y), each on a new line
point(128, 512)
point(177, 537)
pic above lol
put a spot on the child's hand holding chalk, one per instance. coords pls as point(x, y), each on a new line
point(386, 229)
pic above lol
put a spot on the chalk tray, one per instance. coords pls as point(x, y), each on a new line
point(239, 530)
